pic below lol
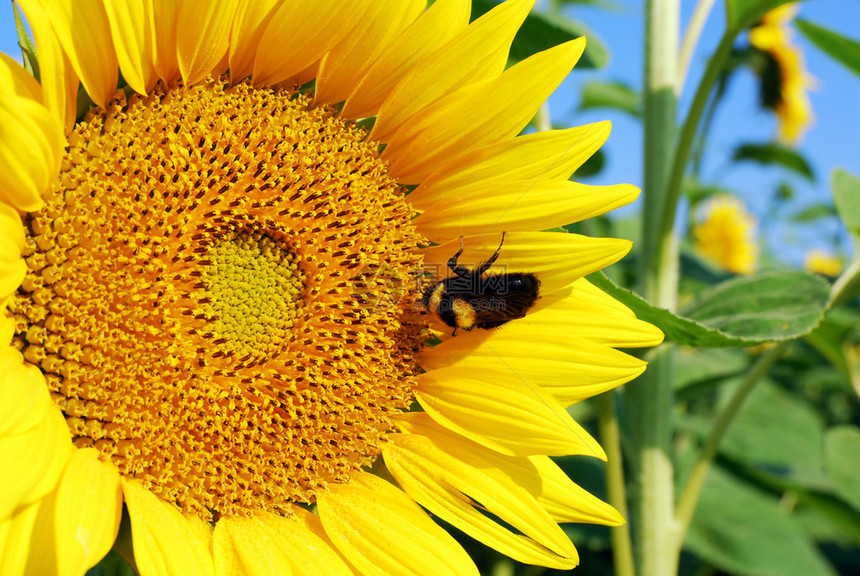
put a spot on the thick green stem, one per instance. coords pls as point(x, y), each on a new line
point(649, 399)
point(660, 103)
point(693, 487)
point(649, 404)
point(610, 439)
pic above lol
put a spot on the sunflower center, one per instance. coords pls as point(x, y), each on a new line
point(204, 295)
point(256, 286)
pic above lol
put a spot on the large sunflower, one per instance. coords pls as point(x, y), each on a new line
point(210, 285)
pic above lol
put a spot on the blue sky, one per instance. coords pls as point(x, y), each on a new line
point(828, 144)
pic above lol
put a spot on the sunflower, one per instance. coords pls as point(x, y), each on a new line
point(727, 235)
point(210, 280)
point(787, 71)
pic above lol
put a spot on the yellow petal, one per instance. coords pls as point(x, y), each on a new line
point(292, 40)
point(252, 17)
point(501, 412)
point(561, 497)
point(87, 511)
point(584, 311)
point(78, 522)
point(270, 544)
point(16, 539)
point(132, 37)
point(33, 461)
point(450, 476)
point(163, 19)
point(552, 155)
point(24, 398)
point(58, 78)
point(539, 475)
point(380, 530)
point(12, 265)
point(31, 142)
point(243, 546)
point(313, 524)
point(478, 114)
point(7, 328)
point(478, 53)
point(202, 37)
point(344, 65)
point(316, 553)
point(570, 369)
point(557, 259)
point(164, 540)
point(24, 171)
point(439, 24)
point(84, 33)
point(15, 80)
point(490, 207)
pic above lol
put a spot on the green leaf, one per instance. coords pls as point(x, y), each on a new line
point(814, 212)
point(780, 432)
point(744, 531)
point(111, 565)
point(698, 192)
point(28, 49)
point(827, 340)
point(742, 14)
point(771, 306)
point(592, 166)
point(835, 338)
point(698, 273)
point(846, 197)
point(774, 153)
point(699, 367)
point(742, 311)
point(844, 50)
point(541, 31)
point(842, 461)
point(825, 517)
point(605, 4)
point(617, 95)
point(784, 192)
point(676, 328)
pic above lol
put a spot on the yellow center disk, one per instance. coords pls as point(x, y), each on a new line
point(205, 298)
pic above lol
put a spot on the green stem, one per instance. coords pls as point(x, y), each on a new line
point(688, 131)
point(658, 263)
point(610, 439)
point(649, 405)
point(702, 139)
point(542, 118)
point(691, 37)
point(693, 488)
point(649, 399)
point(847, 285)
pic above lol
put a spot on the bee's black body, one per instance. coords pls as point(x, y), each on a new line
point(470, 299)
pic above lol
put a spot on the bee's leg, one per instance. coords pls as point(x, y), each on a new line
point(460, 271)
point(486, 265)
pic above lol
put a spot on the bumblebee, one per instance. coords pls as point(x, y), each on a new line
point(472, 299)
